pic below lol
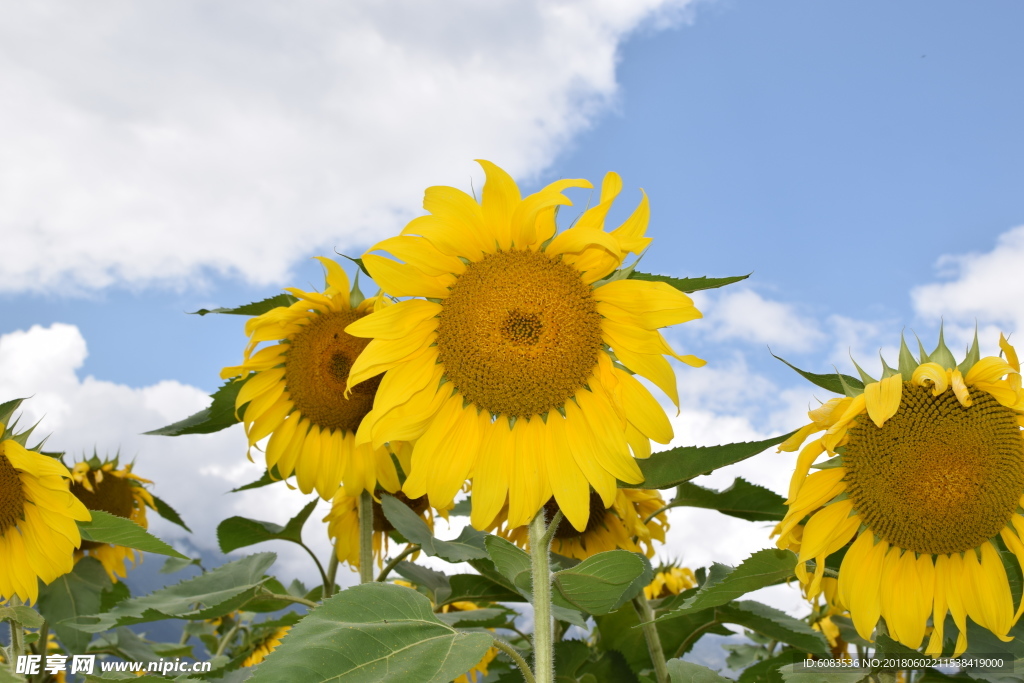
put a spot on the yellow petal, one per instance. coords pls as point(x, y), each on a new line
point(492, 473)
point(882, 399)
point(402, 279)
point(337, 280)
point(500, 199)
point(931, 373)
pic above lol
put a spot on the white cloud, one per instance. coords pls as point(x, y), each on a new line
point(158, 142)
point(747, 316)
point(191, 473)
point(982, 286)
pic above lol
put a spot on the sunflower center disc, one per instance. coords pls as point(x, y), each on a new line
point(519, 334)
point(12, 498)
point(316, 372)
point(113, 495)
point(566, 529)
point(937, 478)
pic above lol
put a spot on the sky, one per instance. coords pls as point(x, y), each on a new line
point(861, 160)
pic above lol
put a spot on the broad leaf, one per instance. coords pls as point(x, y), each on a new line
point(491, 617)
point(773, 623)
point(220, 415)
point(26, 616)
point(207, 596)
point(373, 633)
point(264, 480)
point(681, 671)
point(468, 546)
point(831, 382)
point(476, 588)
point(600, 583)
point(175, 564)
point(743, 499)
point(108, 528)
point(689, 284)
point(169, 513)
point(814, 675)
point(238, 532)
point(434, 583)
point(666, 469)
point(73, 595)
point(764, 568)
point(255, 308)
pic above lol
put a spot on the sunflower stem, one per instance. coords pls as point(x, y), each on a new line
point(646, 614)
point(540, 563)
point(524, 668)
point(332, 572)
point(409, 550)
point(365, 537)
point(17, 634)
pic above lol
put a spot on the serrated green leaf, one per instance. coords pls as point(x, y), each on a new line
point(71, 596)
point(373, 633)
point(468, 546)
point(808, 675)
point(764, 568)
point(513, 564)
point(743, 499)
point(475, 588)
point(773, 623)
point(220, 415)
point(836, 382)
point(265, 480)
point(239, 532)
point(435, 583)
point(176, 564)
point(600, 583)
point(255, 308)
point(209, 595)
point(108, 528)
point(26, 616)
point(681, 671)
point(689, 284)
point(490, 617)
point(169, 513)
point(667, 469)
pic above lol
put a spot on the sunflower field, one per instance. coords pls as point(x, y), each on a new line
point(494, 368)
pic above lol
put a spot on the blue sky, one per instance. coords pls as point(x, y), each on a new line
point(862, 159)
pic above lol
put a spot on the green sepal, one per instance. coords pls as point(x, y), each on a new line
point(907, 363)
point(828, 464)
point(7, 409)
point(358, 262)
point(887, 372)
point(973, 354)
point(356, 296)
point(220, 414)
point(255, 308)
point(942, 355)
point(689, 284)
point(837, 383)
point(864, 377)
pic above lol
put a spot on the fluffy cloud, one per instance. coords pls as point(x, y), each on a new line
point(191, 473)
point(159, 142)
point(747, 316)
point(982, 286)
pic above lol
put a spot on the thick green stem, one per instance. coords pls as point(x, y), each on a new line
point(646, 614)
point(332, 572)
point(17, 634)
point(543, 631)
point(524, 668)
point(365, 537)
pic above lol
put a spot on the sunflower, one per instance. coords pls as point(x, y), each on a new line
point(266, 645)
point(636, 518)
point(102, 486)
point(670, 581)
point(926, 479)
point(295, 391)
point(38, 515)
point(522, 351)
point(343, 524)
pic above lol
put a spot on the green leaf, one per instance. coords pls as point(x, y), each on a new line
point(764, 568)
point(220, 415)
point(611, 666)
point(512, 562)
point(743, 499)
point(373, 633)
point(689, 284)
point(117, 592)
point(773, 623)
point(26, 616)
point(255, 308)
point(358, 262)
point(265, 480)
point(175, 564)
point(823, 675)
point(207, 596)
point(71, 596)
point(599, 583)
point(666, 469)
point(7, 409)
point(832, 382)
point(168, 513)
point(476, 588)
point(468, 546)
point(238, 532)
point(108, 528)
point(476, 618)
point(435, 583)
point(681, 671)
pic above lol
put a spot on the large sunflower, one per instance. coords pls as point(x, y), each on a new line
point(522, 351)
point(102, 486)
point(38, 515)
point(295, 392)
point(634, 521)
point(926, 481)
